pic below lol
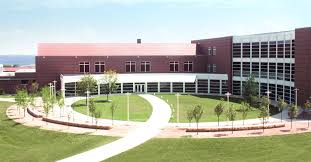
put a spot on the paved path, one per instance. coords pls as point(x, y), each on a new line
point(7, 99)
point(161, 114)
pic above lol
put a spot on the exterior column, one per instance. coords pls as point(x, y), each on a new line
point(183, 87)
point(75, 88)
point(121, 84)
point(146, 89)
point(158, 87)
point(98, 89)
point(220, 87)
point(62, 86)
point(133, 87)
point(196, 86)
point(209, 86)
point(171, 87)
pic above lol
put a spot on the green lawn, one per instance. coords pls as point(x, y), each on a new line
point(140, 109)
point(273, 148)
point(187, 102)
point(21, 143)
point(7, 96)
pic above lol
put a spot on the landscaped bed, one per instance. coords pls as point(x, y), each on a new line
point(21, 143)
point(208, 103)
point(140, 109)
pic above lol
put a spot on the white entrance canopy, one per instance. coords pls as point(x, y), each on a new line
point(149, 77)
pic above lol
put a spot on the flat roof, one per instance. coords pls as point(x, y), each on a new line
point(116, 49)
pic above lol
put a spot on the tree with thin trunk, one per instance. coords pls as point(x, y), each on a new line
point(308, 108)
point(281, 105)
point(197, 114)
point(18, 99)
point(292, 113)
point(60, 102)
point(110, 80)
point(97, 115)
point(92, 108)
point(263, 114)
point(190, 116)
point(245, 108)
point(23, 99)
point(231, 114)
point(219, 109)
point(47, 100)
point(87, 83)
point(113, 108)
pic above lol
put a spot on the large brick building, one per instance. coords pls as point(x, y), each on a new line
point(280, 62)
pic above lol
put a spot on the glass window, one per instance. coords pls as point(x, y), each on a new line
point(99, 67)
point(209, 51)
point(173, 66)
point(130, 66)
point(214, 51)
point(188, 66)
point(145, 66)
point(214, 68)
point(84, 67)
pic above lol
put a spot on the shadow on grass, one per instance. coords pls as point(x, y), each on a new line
point(102, 101)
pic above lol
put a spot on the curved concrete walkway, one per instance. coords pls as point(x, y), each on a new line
point(160, 117)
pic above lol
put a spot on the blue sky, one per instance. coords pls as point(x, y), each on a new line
point(24, 23)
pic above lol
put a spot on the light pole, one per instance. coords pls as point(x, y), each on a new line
point(177, 111)
point(228, 94)
point(296, 91)
point(87, 103)
point(54, 83)
point(128, 106)
point(50, 86)
point(268, 95)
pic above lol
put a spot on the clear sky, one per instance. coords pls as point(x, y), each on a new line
point(24, 23)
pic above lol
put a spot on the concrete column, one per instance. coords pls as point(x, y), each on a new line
point(158, 87)
point(171, 87)
point(75, 88)
point(183, 87)
point(121, 87)
point(209, 86)
point(220, 87)
point(98, 89)
point(133, 87)
point(196, 86)
point(146, 89)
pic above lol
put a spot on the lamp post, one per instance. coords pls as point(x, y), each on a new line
point(296, 91)
point(268, 95)
point(87, 103)
point(128, 106)
point(54, 83)
point(177, 105)
point(228, 94)
point(50, 86)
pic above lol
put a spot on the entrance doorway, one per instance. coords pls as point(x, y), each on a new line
point(140, 88)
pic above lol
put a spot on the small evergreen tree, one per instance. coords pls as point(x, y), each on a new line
point(87, 83)
point(250, 89)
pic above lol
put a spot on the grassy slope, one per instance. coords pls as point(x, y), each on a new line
point(274, 148)
point(21, 143)
point(140, 109)
point(188, 101)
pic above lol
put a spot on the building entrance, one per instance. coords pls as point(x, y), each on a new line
point(140, 88)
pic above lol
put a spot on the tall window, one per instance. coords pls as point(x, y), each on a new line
point(214, 68)
point(84, 67)
point(99, 67)
point(145, 66)
point(174, 66)
point(214, 51)
point(210, 51)
point(209, 68)
point(130, 66)
point(188, 66)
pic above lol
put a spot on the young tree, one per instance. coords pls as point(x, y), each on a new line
point(308, 108)
point(18, 100)
point(190, 116)
point(110, 80)
point(197, 114)
point(87, 83)
point(24, 100)
point(292, 113)
point(250, 89)
point(92, 108)
point(245, 107)
point(281, 105)
point(97, 116)
point(113, 108)
point(33, 88)
point(47, 100)
point(263, 114)
point(219, 109)
point(60, 102)
point(231, 114)
point(31, 100)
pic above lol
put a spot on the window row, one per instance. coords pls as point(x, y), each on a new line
point(130, 66)
point(212, 51)
point(272, 49)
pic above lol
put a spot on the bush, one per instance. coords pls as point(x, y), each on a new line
point(2, 91)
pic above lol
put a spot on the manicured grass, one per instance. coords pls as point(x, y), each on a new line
point(273, 148)
point(187, 102)
point(140, 109)
point(21, 143)
point(7, 96)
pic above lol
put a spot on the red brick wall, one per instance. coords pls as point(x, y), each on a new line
point(49, 68)
point(303, 63)
point(223, 57)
